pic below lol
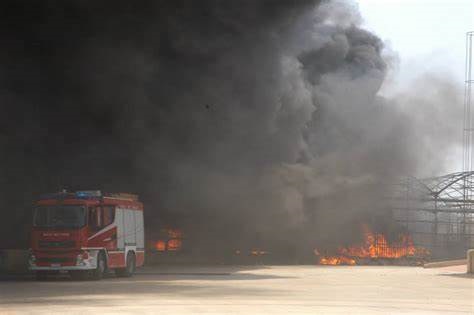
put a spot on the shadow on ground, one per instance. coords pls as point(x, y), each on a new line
point(166, 271)
point(61, 290)
point(167, 282)
point(458, 275)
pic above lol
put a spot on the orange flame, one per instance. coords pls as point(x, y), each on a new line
point(174, 244)
point(160, 246)
point(337, 260)
point(375, 246)
point(171, 240)
point(257, 252)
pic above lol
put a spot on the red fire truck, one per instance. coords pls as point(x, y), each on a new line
point(87, 233)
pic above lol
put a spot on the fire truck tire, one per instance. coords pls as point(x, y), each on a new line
point(98, 272)
point(129, 269)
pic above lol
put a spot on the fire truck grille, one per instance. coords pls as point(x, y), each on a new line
point(56, 244)
point(54, 260)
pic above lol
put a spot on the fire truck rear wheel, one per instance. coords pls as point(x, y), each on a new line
point(99, 271)
point(129, 269)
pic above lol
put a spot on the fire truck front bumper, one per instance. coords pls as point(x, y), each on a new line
point(65, 268)
point(86, 260)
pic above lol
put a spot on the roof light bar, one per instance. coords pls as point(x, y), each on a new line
point(124, 196)
point(88, 194)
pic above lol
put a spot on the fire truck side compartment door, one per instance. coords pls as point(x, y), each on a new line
point(140, 237)
point(129, 223)
point(120, 228)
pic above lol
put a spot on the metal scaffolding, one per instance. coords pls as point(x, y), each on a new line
point(438, 212)
point(467, 159)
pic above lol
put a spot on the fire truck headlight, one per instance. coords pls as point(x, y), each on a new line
point(81, 259)
point(32, 260)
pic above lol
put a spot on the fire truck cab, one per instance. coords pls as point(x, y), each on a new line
point(87, 233)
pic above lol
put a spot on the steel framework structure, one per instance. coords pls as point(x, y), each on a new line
point(468, 157)
point(438, 212)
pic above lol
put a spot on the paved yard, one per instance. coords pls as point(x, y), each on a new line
point(250, 290)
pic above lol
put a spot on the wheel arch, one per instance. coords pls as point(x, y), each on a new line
point(131, 251)
point(106, 257)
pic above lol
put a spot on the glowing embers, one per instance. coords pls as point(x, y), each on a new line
point(160, 246)
point(174, 244)
point(255, 252)
point(336, 260)
point(375, 247)
point(171, 242)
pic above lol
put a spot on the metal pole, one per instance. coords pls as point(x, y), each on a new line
point(435, 224)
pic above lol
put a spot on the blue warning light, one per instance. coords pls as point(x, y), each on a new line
point(88, 194)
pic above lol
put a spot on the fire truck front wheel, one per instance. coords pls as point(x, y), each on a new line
point(98, 272)
point(129, 269)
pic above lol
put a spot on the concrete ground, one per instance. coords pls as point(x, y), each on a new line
point(250, 290)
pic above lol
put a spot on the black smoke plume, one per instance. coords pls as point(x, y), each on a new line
point(245, 123)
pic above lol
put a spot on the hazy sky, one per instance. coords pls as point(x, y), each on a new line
point(426, 34)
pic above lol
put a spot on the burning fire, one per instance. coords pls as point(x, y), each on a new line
point(252, 252)
point(173, 241)
point(174, 244)
point(337, 260)
point(160, 246)
point(257, 252)
point(375, 246)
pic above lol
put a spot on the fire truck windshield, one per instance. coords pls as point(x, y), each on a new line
point(60, 216)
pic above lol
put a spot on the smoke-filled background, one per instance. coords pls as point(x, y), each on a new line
point(245, 123)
